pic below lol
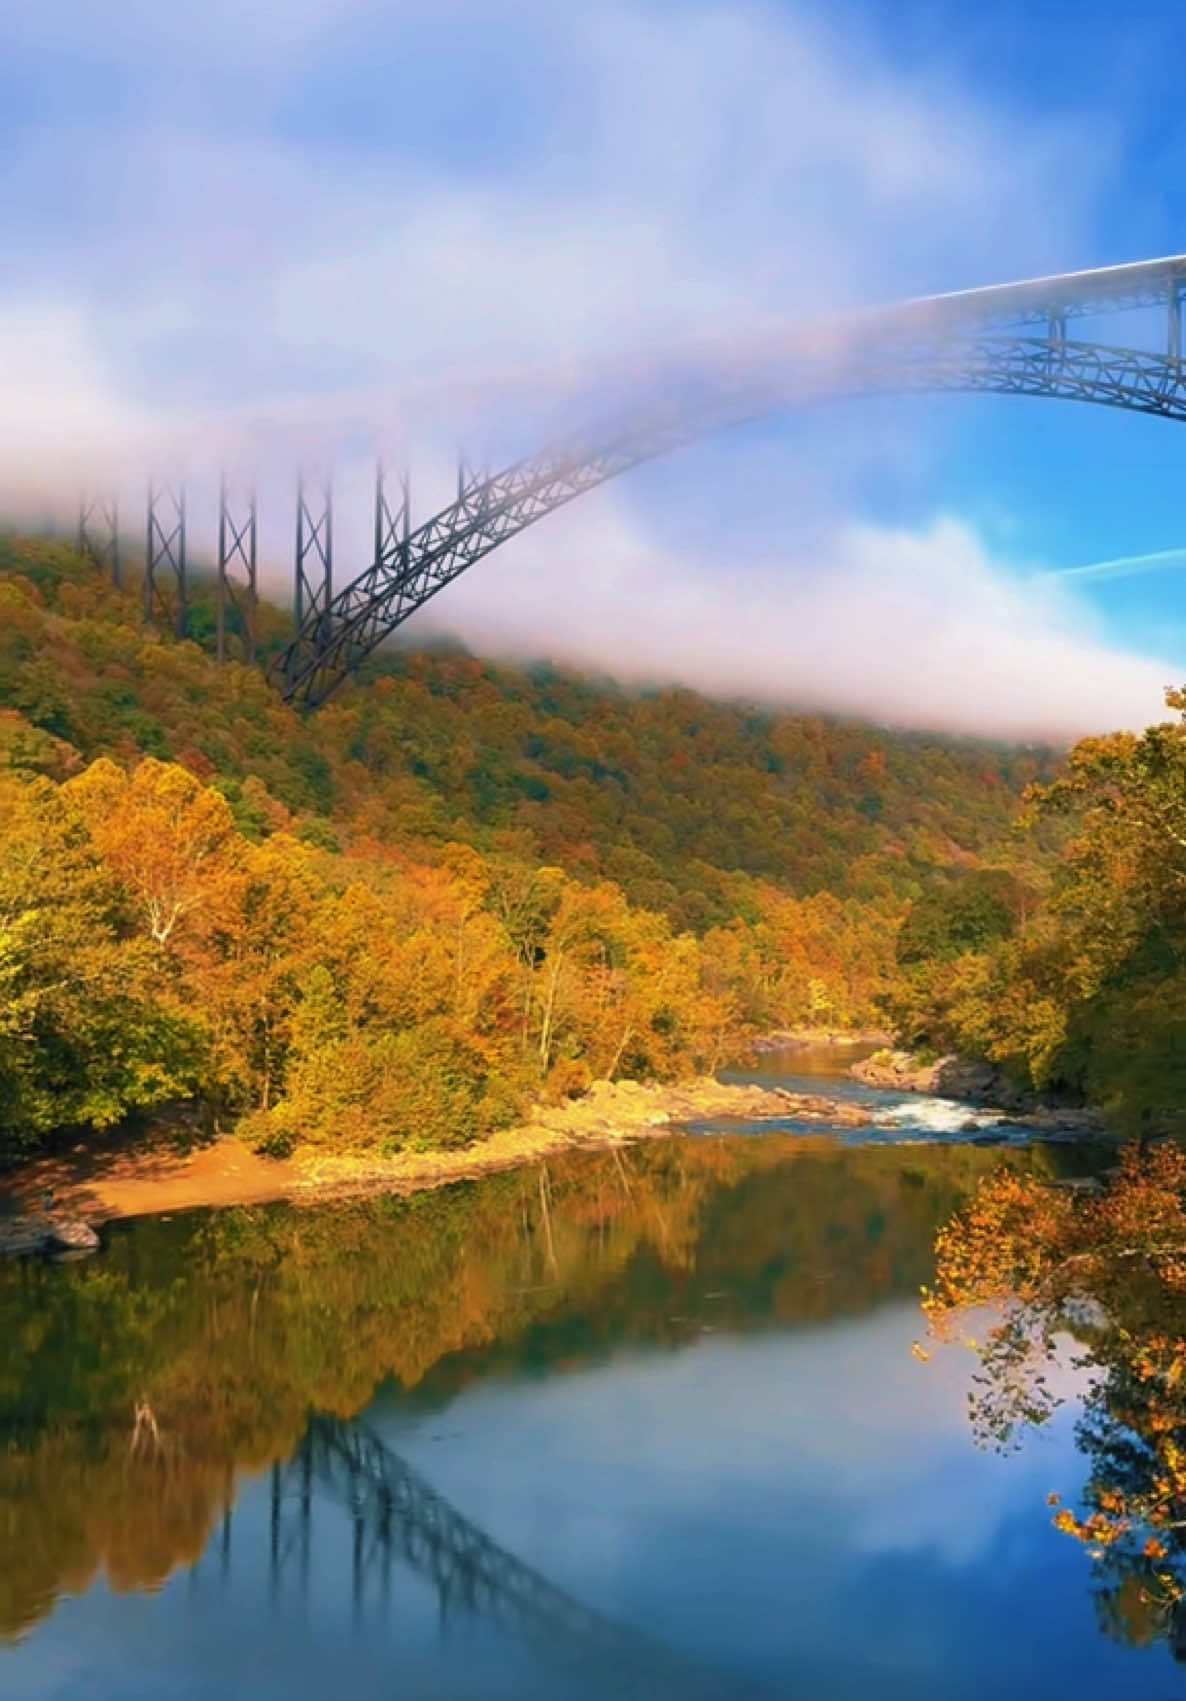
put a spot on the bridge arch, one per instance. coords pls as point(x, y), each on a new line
point(1010, 340)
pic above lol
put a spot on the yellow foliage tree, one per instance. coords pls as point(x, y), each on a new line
point(168, 838)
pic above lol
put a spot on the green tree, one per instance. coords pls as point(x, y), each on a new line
point(86, 1036)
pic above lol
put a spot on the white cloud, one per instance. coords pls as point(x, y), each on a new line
point(920, 628)
point(705, 168)
point(65, 426)
point(232, 274)
point(773, 1434)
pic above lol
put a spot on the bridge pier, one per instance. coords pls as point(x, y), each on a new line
point(314, 564)
point(289, 1535)
point(98, 533)
point(164, 558)
point(237, 570)
point(392, 525)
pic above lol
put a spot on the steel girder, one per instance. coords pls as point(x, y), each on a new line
point(237, 570)
point(396, 1511)
point(1041, 301)
point(166, 594)
point(98, 534)
point(862, 362)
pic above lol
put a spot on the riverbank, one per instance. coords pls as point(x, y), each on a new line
point(810, 1039)
point(158, 1174)
point(973, 1083)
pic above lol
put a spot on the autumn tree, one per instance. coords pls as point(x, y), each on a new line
point(490, 881)
point(167, 837)
point(85, 1037)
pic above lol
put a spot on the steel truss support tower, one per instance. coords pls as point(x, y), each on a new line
point(164, 558)
point(236, 571)
point(292, 1488)
point(392, 525)
point(472, 489)
point(314, 576)
point(98, 534)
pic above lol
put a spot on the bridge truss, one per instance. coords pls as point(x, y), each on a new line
point(397, 1516)
point(1011, 340)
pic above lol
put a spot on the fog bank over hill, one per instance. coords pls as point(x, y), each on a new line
point(323, 272)
point(917, 629)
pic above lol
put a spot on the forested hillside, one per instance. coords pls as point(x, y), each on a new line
point(454, 887)
point(1084, 992)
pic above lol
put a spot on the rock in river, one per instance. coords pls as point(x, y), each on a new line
point(23, 1236)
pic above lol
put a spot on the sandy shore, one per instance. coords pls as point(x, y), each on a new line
point(158, 1174)
point(812, 1039)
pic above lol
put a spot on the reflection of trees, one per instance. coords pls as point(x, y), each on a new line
point(229, 1328)
point(1107, 1268)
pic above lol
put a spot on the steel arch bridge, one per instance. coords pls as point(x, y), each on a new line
point(1007, 340)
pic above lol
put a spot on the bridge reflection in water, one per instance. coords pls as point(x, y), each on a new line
point(396, 1516)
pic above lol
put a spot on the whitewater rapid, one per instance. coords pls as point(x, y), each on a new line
point(935, 1115)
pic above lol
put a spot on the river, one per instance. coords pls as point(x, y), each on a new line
point(634, 1424)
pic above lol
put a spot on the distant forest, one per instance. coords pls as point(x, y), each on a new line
point(460, 886)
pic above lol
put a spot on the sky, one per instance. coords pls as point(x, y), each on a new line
point(311, 232)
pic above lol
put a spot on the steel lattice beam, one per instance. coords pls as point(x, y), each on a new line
point(165, 587)
point(395, 1513)
point(98, 534)
point(978, 341)
point(393, 1504)
point(237, 571)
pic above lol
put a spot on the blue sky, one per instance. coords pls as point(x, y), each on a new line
point(315, 229)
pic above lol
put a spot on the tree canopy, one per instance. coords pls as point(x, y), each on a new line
point(1084, 990)
point(456, 887)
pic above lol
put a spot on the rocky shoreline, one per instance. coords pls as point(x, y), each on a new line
point(613, 1110)
point(979, 1084)
point(225, 1172)
point(790, 1039)
point(95, 1188)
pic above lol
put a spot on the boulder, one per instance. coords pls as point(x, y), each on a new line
point(900, 1069)
point(1055, 1119)
point(71, 1234)
point(23, 1237)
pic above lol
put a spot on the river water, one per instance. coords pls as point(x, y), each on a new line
point(644, 1424)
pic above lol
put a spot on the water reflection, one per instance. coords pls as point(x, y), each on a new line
point(1094, 1279)
point(398, 1519)
point(523, 1350)
point(394, 1510)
